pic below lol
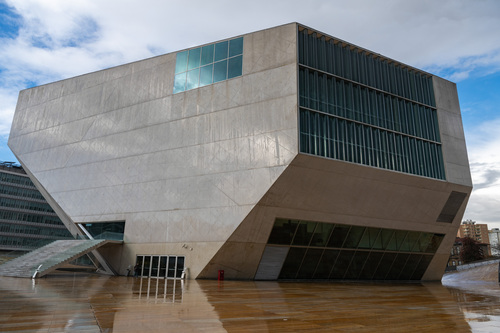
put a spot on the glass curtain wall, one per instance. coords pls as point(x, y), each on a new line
point(337, 251)
point(362, 108)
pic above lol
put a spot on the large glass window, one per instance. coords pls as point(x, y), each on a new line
point(361, 108)
point(208, 64)
point(167, 267)
point(337, 251)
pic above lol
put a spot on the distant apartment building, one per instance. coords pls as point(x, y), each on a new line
point(26, 220)
point(476, 231)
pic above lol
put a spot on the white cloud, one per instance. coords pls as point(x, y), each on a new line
point(483, 144)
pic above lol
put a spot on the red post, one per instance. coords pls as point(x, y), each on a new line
point(221, 275)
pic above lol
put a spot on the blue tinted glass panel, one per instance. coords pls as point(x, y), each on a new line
point(180, 83)
point(194, 58)
point(207, 55)
point(193, 78)
point(236, 47)
point(181, 62)
point(206, 75)
point(234, 67)
point(221, 50)
point(220, 71)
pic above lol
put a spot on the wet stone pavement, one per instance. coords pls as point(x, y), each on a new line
point(93, 303)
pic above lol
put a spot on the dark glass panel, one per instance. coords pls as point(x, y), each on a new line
point(383, 239)
point(411, 265)
point(154, 266)
point(434, 244)
point(371, 265)
point(304, 233)
point(354, 237)
point(194, 58)
point(421, 267)
point(292, 263)
point(368, 239)
point(410, 240)
point(180, 267)
point(139, 261)
point(206, 75)
point(221, 51)
point(342, 263)
point(309, 264)
point(283, 231)
point(397, 266)
point(338, 236)
point(235, 67)
point(384, 266)
point(181, 62)
point(397, 240)
point(322, 234)
point(357, 264)
point(326, 263)
point(236, 46)
point(171, 267)
point(146, 267)
point(220, 71)
point(163, 266)
point(207, 55)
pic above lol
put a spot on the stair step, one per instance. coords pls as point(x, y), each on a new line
point(50, 256)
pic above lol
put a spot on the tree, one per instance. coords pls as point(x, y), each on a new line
point(471, 250)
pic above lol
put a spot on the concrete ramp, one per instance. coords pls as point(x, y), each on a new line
point(51, 257)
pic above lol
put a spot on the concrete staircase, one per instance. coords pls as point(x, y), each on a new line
point(51, 257)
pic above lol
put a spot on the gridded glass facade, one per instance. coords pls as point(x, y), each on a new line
point(26, 220)
point(208, 64)
point(361, 108)
point(337, 251)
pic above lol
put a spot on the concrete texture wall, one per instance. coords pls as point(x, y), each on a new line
point(118, 145)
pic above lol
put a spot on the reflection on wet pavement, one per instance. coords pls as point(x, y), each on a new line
point(91, 303)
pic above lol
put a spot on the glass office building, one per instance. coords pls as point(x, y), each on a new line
point(281, 154)
point(26, 219)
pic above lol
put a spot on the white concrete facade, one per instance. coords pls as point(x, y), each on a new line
point(204, 173)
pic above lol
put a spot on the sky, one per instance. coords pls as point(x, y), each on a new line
point(42, 41)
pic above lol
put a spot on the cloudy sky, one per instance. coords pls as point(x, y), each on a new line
point(47, 40)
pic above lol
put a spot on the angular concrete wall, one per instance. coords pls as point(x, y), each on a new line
point(118, 145)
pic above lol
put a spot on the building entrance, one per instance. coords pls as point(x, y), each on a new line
point(156, 266)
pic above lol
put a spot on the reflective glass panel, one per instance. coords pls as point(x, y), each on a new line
point(193, 78)
point(384, 266)
point(397, 266)
point(221, 51)
point(357, 263)
point(283, 231)
point(235, 66)
point(207, 55)
point(338, 236)
point(180, 83)
point(194, 58)
point(354, 237)
point(181, 62)
point(171, 267)
point(368, 239)
point(371, 265)
point(322, 234)
point(304, 233)
point(180, 267)
point(220, 71)
point(206, 75)
point(235, 46)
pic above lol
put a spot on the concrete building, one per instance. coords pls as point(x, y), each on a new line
point(280, 154)
point(26, 220)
